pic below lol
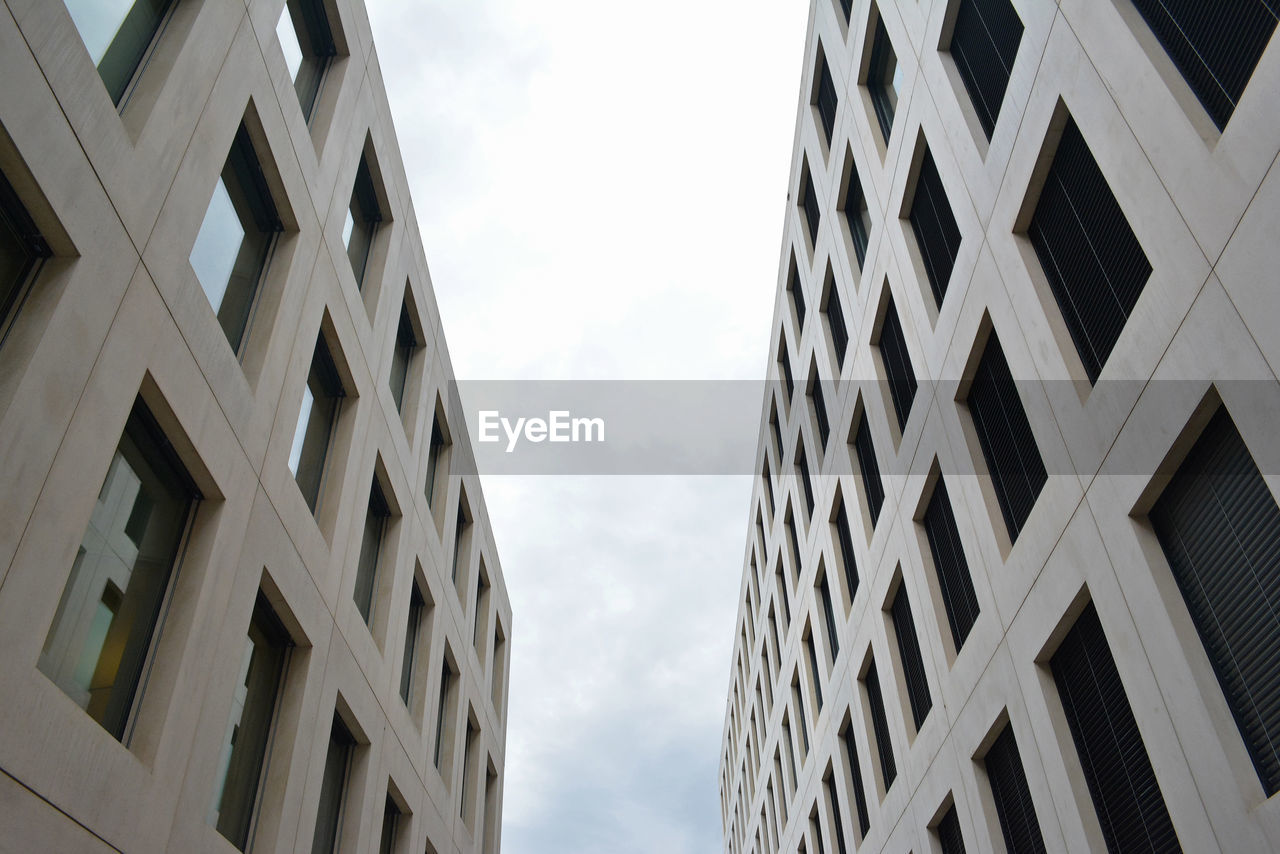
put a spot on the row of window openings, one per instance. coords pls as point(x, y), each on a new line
point(1216, 519)
point(111, 609)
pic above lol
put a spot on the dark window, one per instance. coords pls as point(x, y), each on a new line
point(880, 725)
point(949, 836)
point(1219, 527)
point(768, 487)
point(1008, 445)
point(872, 487)
point(321, 398)
point(785, 362)
point(949, 562)
point(833, 801)
point(804, 729)
point(845, 537)
point(781, 584)
point(790, 525)
point(904, 627)
point(363, 216)
point(819, 404)
point(408, 666)
point(816, 671)
point(1094, 264)
point(935, 227)
point(406, 345)
point(797, 295)
point(835, 322)
point(1215, 46)
point(333, 784)
point(437, 465)
point(855, 772)
point(1125, 791)
point(102, 632)
point(825, 99)
point(245, 747)
point(806, 482)
point(1018, 823)
point(884, 78)
point(809, 202)
point(307, 41)
point(118, 37)
point(447, 679)
point(460, 532)
point(390, 827)
point(22, 249)
point(984, 45)
point(775, 423)
point(856, 214)
point(846, 8)
point(375, 526)
point(829, 615)
point(897, 365)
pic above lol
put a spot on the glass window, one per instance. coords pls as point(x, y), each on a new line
point(333, 784)
point(417, 609)
point(230, 252)
point(118, 35)
point(984, 45)
point(21, 251)
point(460, 543)
point(103, 628)
point(316, 418)
point(244, 748)
point(934, 224)
point(375, 525)
point(390, 826)
point(406, 344)
point(363, 216)
point(447, 678)
point(897, 365)
point(884, 79)
point(307, 41)
point(856, 214)
point(437, 465)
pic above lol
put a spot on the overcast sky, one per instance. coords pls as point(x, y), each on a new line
point(601, 190)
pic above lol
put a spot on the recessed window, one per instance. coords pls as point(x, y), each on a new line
point(892, 345)
point(1216, 51)
point(235, 239)
point(244, 749)
point(834, 314)
point(809, 205)
point(461, 539)
point(390, 827)
point(904, 629)
point(1091, 258)
point(790, 524)
point(415, 628)
point(321, 399)
point(824, 98)
point(796, 292)
point(781, 585)
point(1124, 788)
point(880, 726)
point(984, 45)
point(1219, 527)
point(800, 719)
point(818, 404)
point(22, 251)
point(846, 9)
point(855, 773)
point(884, 78)
point(499, 677)
point(935, 227)
point(768, 487)
point(118, 36)
point(376, 516)
point(407, 345)
point(949, 562)
point(363, 217)
point(833, 810)
point(309, 49)
point(333, 788)
point(1004, 434)
point(445, 713)
point(857, 216)
point(815, 673)
point(437, 461)
point(869, 468)
point(102, 633)
point(829, 617)
point(806, 479)
point(784, 362)
point(1018, 823)
point(479, 626)
point(950, 839)
point(844, 536)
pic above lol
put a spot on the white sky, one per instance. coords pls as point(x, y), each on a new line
point(601, 189)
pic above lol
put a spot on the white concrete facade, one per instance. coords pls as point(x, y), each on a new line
point(116, 314)
point(1204, 205)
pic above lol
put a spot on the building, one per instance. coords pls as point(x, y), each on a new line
point(249, 594)
point(1012, 572)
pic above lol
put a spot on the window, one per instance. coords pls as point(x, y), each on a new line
point(790, 524)
point(235, 239)
point(855, 773)
point(904, 628)
point(884, 78)
point(363, 216)
point(781, 585)
point(437, 461)
point(244, 749)
point(806, 482)
point(461, 540)
point(375, 526)
point(984, 45)
point(390, 827)
point(846, 9)
point(1008, 445)
point(788, 749)
point(935, 227)
point(872, 487)
point(118, 37)
point(1217, 523)
point(784, 362)
point(1091, 258)
point(444, 723)
point(835, 323)
point(333, 785)
point(833, 805)
point(949, 562)
point(844, 536)
point(1125, 791)
point(98, 644)
point(815, 672)
point(809, 203)
point(1017, 814)
point(401, 357)
point(856, 214)
point(468, 757)
point(768, 487)
point(825, 98)
point(307, 41)
point(22, 250)
point(317, 417)
point(829, 615)
point(479, 627)
point(412, 638)
point(1216, 50)
point(499, 678)
point(948, 829)
point(880, 726)
point(800, 720)
point(776, 426)
point(819, 406)
point(796, 291)
point(897, 365)
point(815, 832)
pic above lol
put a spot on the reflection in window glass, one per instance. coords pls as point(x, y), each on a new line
point(118, 34)
point(416, 608)
point(363, 216)
point(307, 42)
point(102, 630)
point(333, 784)
point(289, 43)
point(375, 525)
point(320, 401)
point(406, 343)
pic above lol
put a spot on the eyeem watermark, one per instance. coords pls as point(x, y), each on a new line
point(558, 426)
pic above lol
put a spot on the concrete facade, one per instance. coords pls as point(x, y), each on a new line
point(1203, 204)
point(117, 314)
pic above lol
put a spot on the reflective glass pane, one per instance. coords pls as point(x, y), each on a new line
point(214, 255)
point(117, 34)
point(289, 43)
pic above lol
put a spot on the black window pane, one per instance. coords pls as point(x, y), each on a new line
point(785, 363)
point(21, 250)
point(1018, 823)
point(829, 614)
point(870, 469)
point(409, 664)
point(833, 800)
point(435, 454)
point(839, 331)
point(897, 366)
point(1219, 527)
point(797, 298)
point(1216, 46)
point(880, 726)
point(815, 671)
point(935, 227)
point(904, 627)
point(375, 523)
point(847, 559)
point(333, 786)
point(846, 8)
point(884, 79)
point(806, 482)
point(984, 45)
point(1091, 258)
point(857, 215)
point(390, 827)
point(1008, 445)
point(820, 413)
point(1125, 791)
point(859, 790)
point(809, 202)
point(118, 37)
point(950, 564)
point(949, 836)
point(826, 100)
point(406, 344)
point(446, 687)
point(363, 216)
